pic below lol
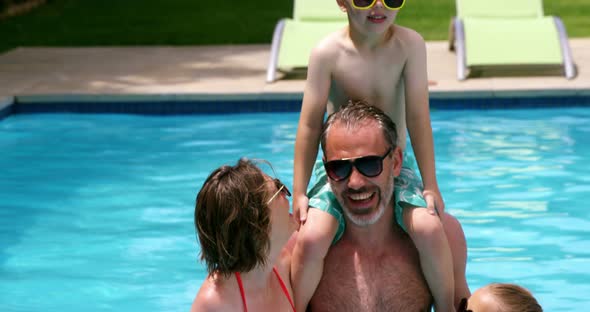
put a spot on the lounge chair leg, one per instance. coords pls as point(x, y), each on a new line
point(568, 61)
point(452, 34)
point(274, 51)
point(460, 49)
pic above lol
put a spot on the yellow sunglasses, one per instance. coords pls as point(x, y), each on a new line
point(367, 4)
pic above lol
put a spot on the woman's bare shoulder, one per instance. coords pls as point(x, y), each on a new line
point(210, 298)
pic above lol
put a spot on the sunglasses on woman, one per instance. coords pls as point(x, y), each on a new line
point(369, 166)
point(463, 306)
point(367, 4)
point(281, 188)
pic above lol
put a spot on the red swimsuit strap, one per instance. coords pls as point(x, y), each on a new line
point(242, 293)
point(284, 287)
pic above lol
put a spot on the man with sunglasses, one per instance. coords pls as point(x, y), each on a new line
point(384, 64)
point(375, 265)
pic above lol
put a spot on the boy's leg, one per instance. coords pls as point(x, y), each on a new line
point(307, 265)
point(429, 236)
point(458, 246)
point(324, 225)
point(427, 233)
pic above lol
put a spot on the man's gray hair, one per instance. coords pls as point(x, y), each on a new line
point(356, 114)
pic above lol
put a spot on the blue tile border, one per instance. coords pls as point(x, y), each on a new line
point(185, 104)
point(162, 107)
point(515, 102)
point(169, 104)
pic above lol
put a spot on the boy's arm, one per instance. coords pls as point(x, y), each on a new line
point(307, 261)
point(418, 119)
point(313, 108)
point(312, 245)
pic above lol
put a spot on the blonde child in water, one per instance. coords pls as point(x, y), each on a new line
point(500, 297)
point(385, 65)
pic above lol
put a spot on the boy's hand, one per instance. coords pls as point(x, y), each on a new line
point(300, 206)
point(434, 202)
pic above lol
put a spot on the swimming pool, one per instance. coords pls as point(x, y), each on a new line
point(96, 210)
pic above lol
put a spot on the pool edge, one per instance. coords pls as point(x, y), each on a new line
point(249, 96)
point(212, 103)
point(6, 105)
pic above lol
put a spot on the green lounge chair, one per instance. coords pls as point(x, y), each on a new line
point(508, 34)
point(293, 39)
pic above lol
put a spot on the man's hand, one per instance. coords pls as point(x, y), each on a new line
point(434, 202)
point(300, 206)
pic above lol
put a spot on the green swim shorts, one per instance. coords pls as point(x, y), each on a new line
point(408, 190)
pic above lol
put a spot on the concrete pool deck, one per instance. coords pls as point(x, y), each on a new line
point(211, 71)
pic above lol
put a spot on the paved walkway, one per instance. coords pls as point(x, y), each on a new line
point(210, 70)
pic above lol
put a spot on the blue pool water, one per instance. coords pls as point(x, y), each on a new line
point(96, 210)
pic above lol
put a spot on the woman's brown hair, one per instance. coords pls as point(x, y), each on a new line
point(232, 219)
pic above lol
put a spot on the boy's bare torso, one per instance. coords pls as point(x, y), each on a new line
point(373, 75)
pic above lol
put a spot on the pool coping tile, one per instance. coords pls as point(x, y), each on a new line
point(195, 79)
point(535, 93)
point(278, 96)
point(6, 103)
point(177, 73)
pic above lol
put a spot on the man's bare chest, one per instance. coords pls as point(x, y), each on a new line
point(350, 283)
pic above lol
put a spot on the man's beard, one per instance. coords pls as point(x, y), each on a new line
point(360, 220)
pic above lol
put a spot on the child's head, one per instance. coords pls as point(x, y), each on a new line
point(499, 297)
point(373, 15)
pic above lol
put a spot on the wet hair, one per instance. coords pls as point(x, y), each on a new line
point(514, 298)
point(232, 219)
point(356, 114)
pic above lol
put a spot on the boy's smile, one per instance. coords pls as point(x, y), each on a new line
point(377, 19)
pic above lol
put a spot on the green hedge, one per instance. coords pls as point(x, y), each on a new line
point(195, 22)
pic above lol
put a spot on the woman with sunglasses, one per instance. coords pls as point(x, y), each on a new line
point(246, 235)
